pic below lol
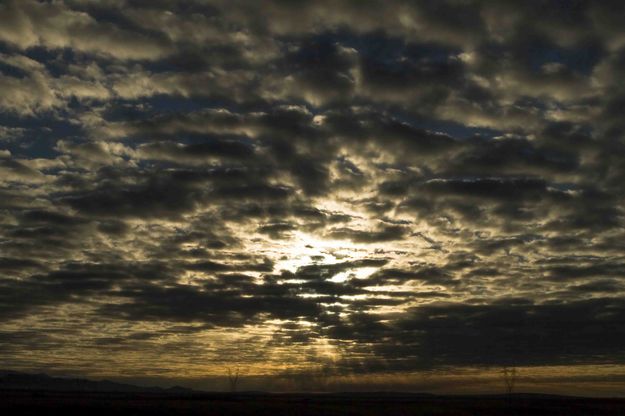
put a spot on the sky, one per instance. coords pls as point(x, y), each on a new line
point(324, 195)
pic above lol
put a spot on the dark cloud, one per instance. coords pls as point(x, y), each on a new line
point(383, 233)
point(515, 333)
point(427, 275)
point(198, 151)
point(155, 198)
point(277, 229)
point(217, 307)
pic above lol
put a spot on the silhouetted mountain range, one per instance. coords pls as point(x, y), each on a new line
point(11, 380)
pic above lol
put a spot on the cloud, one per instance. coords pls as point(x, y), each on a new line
point(384, 233)
point(14, 171)
point(399, 186)
point(54, 25)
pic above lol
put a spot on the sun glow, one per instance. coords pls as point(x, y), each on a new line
point(359, 273)
point(305, 249)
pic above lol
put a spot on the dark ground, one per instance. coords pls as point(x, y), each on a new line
point(119, 404)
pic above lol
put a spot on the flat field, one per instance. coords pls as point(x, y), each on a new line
point(119, 404)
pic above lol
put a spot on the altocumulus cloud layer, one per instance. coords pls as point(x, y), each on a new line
point(346, 187)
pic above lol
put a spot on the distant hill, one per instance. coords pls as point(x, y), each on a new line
point(11, 380)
